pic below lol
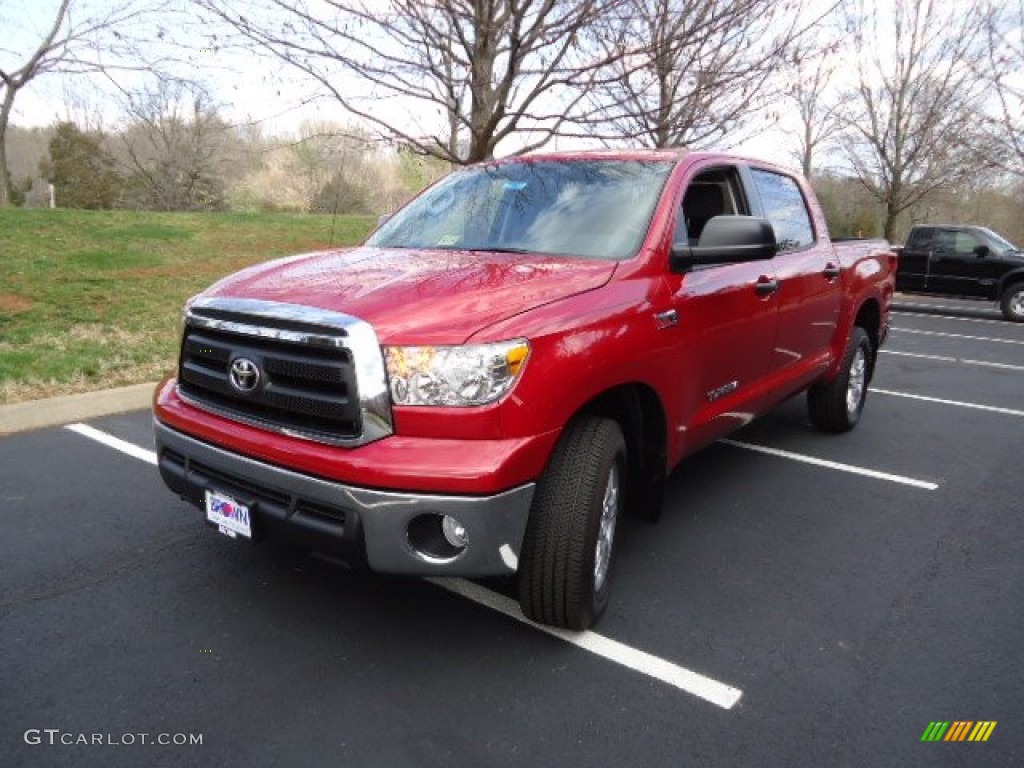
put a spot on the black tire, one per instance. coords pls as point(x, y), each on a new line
point(1012, 303)
point(560, 580)
point(837, 405)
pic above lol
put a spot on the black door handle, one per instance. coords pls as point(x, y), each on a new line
point(766, 287)
point(831, 271)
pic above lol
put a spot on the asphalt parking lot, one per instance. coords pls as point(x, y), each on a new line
point(806, 600)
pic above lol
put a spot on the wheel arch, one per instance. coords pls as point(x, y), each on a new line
point(1010, 278)
point(640, 414)
point(1006, 293)
point(869, 317)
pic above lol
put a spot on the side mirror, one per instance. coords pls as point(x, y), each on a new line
point(981, 251)
point(727, 240)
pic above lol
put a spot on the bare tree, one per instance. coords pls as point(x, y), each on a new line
point(813, 94)
point(331, 168)
point(1004, 63)
point(325, 152)
point(912, 119)
point(477, 71)
point(70, 45)
point(176, 151)
point(691, 72)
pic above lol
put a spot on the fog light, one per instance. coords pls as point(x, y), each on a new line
point(454, 532)
point(437, 538)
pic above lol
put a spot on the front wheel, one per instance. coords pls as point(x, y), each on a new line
point(837, 406)
point(1012, 303)
point(565, 564)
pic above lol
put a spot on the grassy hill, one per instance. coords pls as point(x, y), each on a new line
point(92, 299)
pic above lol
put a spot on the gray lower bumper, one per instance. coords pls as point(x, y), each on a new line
point(362, 518)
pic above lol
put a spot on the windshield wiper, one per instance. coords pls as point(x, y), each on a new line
point(499, 249)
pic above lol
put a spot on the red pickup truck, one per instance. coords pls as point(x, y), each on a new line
point(513, 361)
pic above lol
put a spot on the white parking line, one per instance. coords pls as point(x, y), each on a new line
point(958, 336)
point(961, 360)
point(713, 691)
point(114, 442)
point(943, 401)
point(930, 316)
point(851, 468)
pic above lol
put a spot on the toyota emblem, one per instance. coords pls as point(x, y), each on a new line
point(244, 375)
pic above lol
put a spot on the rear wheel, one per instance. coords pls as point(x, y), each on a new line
point(566, 560)
point(1012, 303)
point(837, 406)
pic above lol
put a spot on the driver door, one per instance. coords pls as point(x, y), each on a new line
point(726, 317)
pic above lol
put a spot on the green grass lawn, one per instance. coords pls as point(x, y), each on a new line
point(92, 299)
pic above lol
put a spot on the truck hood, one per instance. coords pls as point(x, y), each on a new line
point(414, 296)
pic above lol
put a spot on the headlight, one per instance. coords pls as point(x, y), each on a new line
point(472, 374)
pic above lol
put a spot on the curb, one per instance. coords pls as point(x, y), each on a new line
point(54, 411)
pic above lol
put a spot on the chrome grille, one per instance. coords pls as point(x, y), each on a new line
point(308, 376)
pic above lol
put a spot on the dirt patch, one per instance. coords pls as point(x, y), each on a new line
point(12, 303)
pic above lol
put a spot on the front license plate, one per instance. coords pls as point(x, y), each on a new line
point(229, 515)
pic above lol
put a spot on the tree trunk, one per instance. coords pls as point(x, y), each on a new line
point(890, 220)
point(808, 158)
point(481, 85)
point(6, 186)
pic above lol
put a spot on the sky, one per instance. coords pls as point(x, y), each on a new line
point(247, 89)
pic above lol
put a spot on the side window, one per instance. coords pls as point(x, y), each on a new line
point(964, 244)
point(711, 193)
point(785, 208)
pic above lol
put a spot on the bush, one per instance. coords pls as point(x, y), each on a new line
point(81, 172)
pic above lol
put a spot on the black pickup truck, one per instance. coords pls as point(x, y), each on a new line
point(966, 262)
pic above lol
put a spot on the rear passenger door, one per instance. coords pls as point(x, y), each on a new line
point(912, 272)
point(807, 272)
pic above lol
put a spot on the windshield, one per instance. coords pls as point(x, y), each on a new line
point(1000, 241)
point(597, 209)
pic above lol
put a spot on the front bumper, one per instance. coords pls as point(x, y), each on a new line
point(359, 525)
